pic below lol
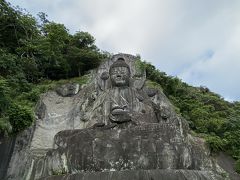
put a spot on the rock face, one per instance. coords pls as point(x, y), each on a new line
point(138, 174)
point(115, 127)
point(69, 89)
point(6, 148)
point(149, 146)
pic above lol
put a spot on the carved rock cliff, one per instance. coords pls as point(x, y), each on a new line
point(115, 127)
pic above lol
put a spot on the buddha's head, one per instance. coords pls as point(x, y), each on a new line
point(120, 73)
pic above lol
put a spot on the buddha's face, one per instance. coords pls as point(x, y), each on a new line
point(120, 76)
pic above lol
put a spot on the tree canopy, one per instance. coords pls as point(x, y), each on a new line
point(33, 50)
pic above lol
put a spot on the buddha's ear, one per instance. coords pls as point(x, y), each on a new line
point(138, 76)
point(139, 82)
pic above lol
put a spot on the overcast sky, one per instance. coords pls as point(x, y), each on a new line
point(196, 40)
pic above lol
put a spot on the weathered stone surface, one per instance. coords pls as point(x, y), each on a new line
point(69, 89)
point(151, 92)
point(114, 123)
point(228, 164)
point(55, 116)
point(6, 149)
point(149, 146)
point(140, 175)
point(21, 161)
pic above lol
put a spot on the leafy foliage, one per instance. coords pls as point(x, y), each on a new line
point(20, 117)
point(237, 167)
point(5, 97)
point(215, 143)
point(32, 53)
point(206, 112)
point(5, 127)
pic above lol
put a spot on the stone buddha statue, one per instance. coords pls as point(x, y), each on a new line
point(120, 99)
point(120, 110)
point(127, 103)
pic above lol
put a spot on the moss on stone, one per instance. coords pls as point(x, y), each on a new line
point(154, 85)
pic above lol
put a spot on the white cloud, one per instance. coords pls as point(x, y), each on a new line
point(197, 40)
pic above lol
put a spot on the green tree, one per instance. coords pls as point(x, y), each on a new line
point(4, 96)
point(20, 117)
point(9, 64)
point(83, 54)
point(15, 27)
point(52, 48)
point(215, 143)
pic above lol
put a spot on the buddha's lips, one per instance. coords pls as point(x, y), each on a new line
point(117, 107)
point(118, 111)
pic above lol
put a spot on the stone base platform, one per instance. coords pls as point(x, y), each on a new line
point(149, 146)
point(157, 174)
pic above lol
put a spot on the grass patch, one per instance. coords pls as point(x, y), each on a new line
point(153, 85)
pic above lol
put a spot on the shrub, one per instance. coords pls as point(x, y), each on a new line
point(237, 166)
point(20, 117)
point(5, 127)
point(215, 143)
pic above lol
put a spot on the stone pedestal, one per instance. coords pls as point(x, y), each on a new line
point(140, 175)
point(155, 147)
